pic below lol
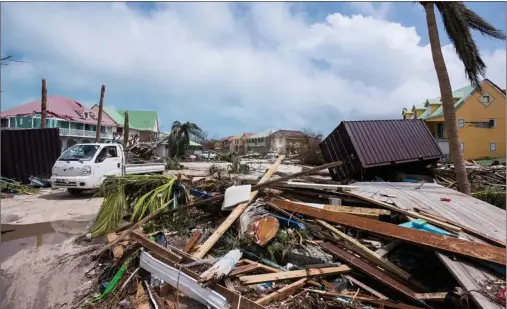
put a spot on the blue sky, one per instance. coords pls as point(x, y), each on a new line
point(235, 67)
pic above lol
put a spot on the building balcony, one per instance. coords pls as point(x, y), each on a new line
point(83, 133)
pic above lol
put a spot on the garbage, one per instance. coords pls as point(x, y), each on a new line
point(284, 246)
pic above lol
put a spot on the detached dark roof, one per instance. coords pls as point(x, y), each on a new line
point(365, 144)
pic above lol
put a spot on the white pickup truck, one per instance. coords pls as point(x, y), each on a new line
point(85, 166)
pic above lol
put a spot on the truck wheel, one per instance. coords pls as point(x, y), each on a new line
point(74, 192)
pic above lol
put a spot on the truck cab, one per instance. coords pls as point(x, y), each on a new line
point(85, 166)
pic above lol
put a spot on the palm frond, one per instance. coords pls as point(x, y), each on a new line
point(457, 29)
point(476, 22)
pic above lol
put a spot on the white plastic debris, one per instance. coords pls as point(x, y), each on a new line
point(236, 195)
point(221, 268)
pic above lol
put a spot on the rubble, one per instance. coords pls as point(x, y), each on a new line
point(288, 245)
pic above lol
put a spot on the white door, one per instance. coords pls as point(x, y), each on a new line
point(108, 163)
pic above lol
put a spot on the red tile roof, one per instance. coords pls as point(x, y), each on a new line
point(248, 134)
point(60, 107)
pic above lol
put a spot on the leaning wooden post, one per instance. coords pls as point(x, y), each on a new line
point(99, 118)
point(126, 130)
point(43, 102)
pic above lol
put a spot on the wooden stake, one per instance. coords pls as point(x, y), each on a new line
point(43, 103)
point(99, 117)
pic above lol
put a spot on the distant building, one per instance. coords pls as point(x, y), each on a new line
point(77, 123)
point(480, 113)
point(144, 123)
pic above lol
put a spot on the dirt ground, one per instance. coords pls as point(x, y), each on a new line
point(38, 269)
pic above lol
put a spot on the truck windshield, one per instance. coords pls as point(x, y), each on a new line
point(79, 153)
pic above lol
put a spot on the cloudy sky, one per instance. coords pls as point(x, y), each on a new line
point(235, 67)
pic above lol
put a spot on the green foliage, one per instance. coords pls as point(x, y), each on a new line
point(137, 194)
point(179, 138)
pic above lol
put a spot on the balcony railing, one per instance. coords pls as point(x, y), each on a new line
point(83, 133)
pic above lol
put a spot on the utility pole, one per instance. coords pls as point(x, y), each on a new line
point(126, 129)
point(43, 102)
point(99, 118)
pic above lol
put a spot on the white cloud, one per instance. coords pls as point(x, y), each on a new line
point(375, 9)
point(265, 67)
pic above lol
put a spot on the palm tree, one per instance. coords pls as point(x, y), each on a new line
point(179, 138)
point(458, 22)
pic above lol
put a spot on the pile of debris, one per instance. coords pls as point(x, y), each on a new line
point(487, 181)
point(279, 243)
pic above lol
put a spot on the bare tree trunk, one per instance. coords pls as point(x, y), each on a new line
point(43, 101)
point(447, 101)
point(99, 117)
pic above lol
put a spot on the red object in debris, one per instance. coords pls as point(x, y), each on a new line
point(501, 295)
point(445, 199)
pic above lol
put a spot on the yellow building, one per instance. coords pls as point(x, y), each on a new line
point(480, 113)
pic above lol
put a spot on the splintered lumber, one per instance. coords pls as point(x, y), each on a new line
point(155, 248)
point(282, 293)
point(432, 296)
point(465, 229)
point(382, 302)
point(408, 213)
point(355, 246)
point(294, 274)
point(234, 215)
point(358, 211)
point(369, 270)
point(221, 268)
point(244, 269)
point(365, 287)
point(425, 239)
point(191, 244)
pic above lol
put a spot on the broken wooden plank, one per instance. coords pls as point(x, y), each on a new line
point(369, 270)
point(263, 266)
point(236, 212)
point(358, 211)
point(430, 240)
point(244, 269)
point(382, 252)
point(365, 287)
point(193, 241)
point(432, 296)
point(466, 229)
point(154, 247)
point(282, 293)
point(294, 274)
point(355, 246)
point(382, 302)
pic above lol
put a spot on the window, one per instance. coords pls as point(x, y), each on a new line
point(492, 123)
point(492, 146)
point(461, 123)
point(440, 131)
point(485, 99)
point(20, 120)
point(462, 146)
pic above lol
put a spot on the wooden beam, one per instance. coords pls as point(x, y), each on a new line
point(432, 296)
point(430, 240)
point(263, 266)
point(294, 274)
point(358, 211)
point(369, 270)
point(308, 185)
point(154, 247)
point(355, 246)
point(210, 242)
point(281, 293)
point(191, 244)
point(244, 269)
point(365, 287)
point(408, 213)
point(99, 116)
point(43, 104)
point(382, 302)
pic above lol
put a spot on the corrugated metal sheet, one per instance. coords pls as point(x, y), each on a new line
point(29, 152)
point(366, 144)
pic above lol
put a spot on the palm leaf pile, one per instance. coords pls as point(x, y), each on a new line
point(138, 195)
